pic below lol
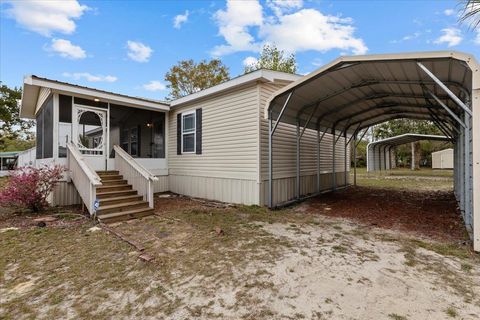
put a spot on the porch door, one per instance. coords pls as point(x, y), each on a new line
point(89, 126)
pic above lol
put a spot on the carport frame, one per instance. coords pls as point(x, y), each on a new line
point(471, 121)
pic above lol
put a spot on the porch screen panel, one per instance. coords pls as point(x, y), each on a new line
point(39, 143)
point(48, 130)
point(159, 137)
point(64, 125)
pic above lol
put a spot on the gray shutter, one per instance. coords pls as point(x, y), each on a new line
point(198, 126)
point(179, 133)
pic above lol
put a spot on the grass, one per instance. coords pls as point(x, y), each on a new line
point(424, 179)
point(451, 312)
point(395, 316)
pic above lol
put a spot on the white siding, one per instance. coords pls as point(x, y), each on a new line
point(42, 97)
point(161, 185)
point(229, 137)
point(284, 156)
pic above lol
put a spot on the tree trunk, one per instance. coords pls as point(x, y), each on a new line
point(415, 161)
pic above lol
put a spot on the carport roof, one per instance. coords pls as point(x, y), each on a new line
point(355, 92)
point(407, 138)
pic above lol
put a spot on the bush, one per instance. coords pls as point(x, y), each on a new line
point(29, 187)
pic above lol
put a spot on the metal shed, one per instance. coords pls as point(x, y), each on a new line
point(443, 159)
point(355, 92)
point(379, 153)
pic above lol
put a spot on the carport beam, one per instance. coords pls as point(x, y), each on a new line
point(445, 88)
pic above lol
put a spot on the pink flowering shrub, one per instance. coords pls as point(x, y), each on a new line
point(29, 187)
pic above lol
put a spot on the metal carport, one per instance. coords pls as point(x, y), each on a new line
point(379, 153)
point(355, 92)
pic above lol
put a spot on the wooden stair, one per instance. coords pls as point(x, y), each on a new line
point(118, 200)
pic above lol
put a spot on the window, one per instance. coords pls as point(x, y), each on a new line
point(124, 140)
point(188, 132)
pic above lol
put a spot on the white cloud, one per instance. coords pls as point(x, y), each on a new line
point(154, 85)
point(180, 19)
point(249, 61)
point(234, 24)
point(451, 36)
point(67, 50)
point(297, 30)
point(309, 29)
point(279, 7)
point(46, 17)
point(90, 77)
point(449, 12)
point(139, 52)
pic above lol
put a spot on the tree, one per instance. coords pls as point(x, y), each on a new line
point(273, 59)
point(471, 12)
point(187, 76)
point(12, 128)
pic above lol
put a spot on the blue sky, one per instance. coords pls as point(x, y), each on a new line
point(128, 46)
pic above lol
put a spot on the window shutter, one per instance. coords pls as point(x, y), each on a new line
point(179, 133)
point(198, 126)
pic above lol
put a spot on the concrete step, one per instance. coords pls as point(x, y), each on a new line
point(120, 199)
point(114, 194)
point(125, 215)
point(115, 187)
point(120, 207)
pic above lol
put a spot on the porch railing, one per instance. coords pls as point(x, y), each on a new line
point(85, 179)
point(140, 178)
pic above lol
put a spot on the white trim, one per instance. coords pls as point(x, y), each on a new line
point(259, 75)
point(194, 112)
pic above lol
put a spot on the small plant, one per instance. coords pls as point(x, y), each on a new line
point(451, 312)
point(29, 187)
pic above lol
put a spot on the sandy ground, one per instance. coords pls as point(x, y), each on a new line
point(215, 262)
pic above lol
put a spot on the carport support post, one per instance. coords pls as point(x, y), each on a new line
point(355, 160)
point(297, 193)
point(318, 160)
point(270, 162)
point(345, 158)
point(467, 209)
point(334, 180)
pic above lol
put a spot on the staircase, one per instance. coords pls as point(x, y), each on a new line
point(118, 201)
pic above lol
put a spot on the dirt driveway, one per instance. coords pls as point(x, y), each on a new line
point(212, 262)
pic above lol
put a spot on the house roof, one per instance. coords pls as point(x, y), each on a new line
point(32, 85)
point(9, 153)
point(262, 75)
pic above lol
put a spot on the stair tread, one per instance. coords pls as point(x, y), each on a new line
point(120, 198)
point(123, 213)
point(113, 192)
point(114, 186)
point(120, 205)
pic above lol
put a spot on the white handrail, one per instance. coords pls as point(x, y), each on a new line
point(140, 178)
point(141, 169)
point(83, 177)
point(91, 174)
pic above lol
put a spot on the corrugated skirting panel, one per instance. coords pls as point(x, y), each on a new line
point(220, 189)
point(161, 185)
point(284, 188)
point(65, 194)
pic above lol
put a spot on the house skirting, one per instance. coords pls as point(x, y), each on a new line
point(220, 189)
point(284, 188)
